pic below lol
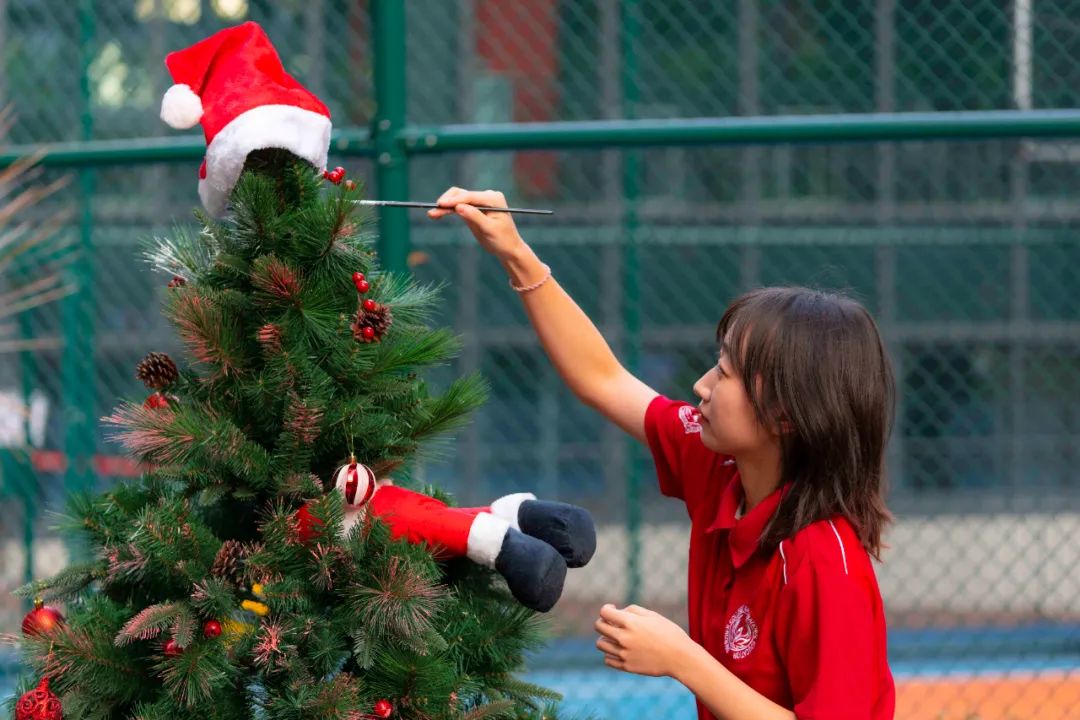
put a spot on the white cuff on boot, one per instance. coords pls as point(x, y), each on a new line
point(507, 506)
point(486, 538)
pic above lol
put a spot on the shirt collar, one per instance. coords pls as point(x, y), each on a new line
point(746, 531)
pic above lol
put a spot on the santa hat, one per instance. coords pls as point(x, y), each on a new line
point(234, 84)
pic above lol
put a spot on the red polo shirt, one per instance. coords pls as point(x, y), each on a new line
point(803, 626)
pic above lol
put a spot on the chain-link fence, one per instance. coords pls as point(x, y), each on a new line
point(966, 252)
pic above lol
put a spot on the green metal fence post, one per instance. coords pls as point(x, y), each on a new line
point(24, 476)
point(391, 162)
point(79, 394)
point(631, 303)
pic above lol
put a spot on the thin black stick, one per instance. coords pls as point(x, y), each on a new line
point(399, 203)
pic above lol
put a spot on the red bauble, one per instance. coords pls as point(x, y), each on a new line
point(40, 703)
point(384, 709)
point(306, 524)
point(41, 620)
point(357, 278)
point(211, 628)
point(368, 333)
point(363, 286)
point(370, 305)
point(156, 402)
point(172, 649)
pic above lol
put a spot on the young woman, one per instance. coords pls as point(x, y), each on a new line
point(781, 467)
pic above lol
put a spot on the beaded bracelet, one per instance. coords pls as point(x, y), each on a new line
point(538, 283)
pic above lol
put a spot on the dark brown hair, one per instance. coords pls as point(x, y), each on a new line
point(816, 370)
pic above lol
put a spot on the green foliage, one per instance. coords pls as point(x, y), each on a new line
point(276, 397)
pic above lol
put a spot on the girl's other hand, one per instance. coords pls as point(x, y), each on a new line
point(641, 641)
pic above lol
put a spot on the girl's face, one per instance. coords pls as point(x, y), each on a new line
point(728, 422)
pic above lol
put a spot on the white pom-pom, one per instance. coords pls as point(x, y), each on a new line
point(181, 108)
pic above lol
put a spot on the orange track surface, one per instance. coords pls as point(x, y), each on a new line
point(1045, 696)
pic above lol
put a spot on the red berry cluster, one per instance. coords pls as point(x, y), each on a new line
point(362, 285)
point(335, 176)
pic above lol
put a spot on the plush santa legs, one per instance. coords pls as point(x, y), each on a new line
point(529, 542)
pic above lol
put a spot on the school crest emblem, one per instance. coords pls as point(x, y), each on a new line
point(690, 417)
point(741, 634)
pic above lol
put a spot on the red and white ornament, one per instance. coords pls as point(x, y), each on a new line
point(383, 709)
point(357, 484)
point(42, 620)
point(41, 703)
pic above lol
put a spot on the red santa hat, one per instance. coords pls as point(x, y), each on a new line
point(234, 84)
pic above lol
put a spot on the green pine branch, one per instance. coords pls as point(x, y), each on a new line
point(150, 622)
point(66, 584)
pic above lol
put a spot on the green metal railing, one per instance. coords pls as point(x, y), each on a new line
point(411, 140)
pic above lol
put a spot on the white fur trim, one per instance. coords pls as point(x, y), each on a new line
point(507, 507)
point(304, 133)
point(181, 108)
point(486, 539)
point(351, 518)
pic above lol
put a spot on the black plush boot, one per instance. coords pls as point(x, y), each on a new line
point(534, 571)
point(567, 528)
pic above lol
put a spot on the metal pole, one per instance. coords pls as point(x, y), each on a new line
point(3, 43)
point(749, 103)
point(1023, 96)
point(852, 127)
point(388, 28)
point(615, 456)
point(23, 474)
point(468, 260)
point(885, 253)
point(631, 31)
point(315, 42)
point(78, 369)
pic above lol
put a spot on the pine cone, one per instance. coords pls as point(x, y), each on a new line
point(378, 319)
point(157, 370)
point(231, 562)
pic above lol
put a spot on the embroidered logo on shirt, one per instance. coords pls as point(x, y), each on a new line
point(741, 634)
point(690, 417)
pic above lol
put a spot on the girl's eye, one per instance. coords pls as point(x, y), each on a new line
point(719, 370)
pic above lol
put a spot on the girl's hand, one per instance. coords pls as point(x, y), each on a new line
point(641, 641)
point(496, 232)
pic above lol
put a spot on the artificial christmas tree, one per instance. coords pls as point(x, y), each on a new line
point(257, 569)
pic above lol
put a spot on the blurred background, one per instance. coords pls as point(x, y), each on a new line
point(959, 231)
